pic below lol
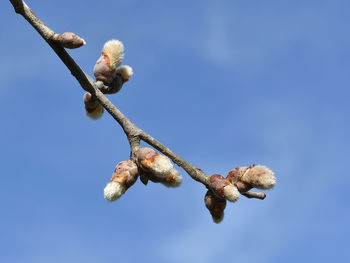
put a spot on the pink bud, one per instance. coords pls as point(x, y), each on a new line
point(223, 188)
point(215, 205)
point(102, 70)
point(234, 176)
point(111, 57)
point(93, 109)
point(69, 40)
point(116, 84)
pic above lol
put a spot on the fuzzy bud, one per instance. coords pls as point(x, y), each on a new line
point(116, 81)
point(174, 179)
point(125, 72)
point(256, 176)
point(223, 188)
point(215, 205)
point(93, 109)
point(69, 40)
point(231, 193)
point(158, 167)
point(234, 176)
point(111, 57)
point(116, 85)
point(124, 176)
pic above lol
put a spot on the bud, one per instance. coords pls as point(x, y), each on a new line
point(113, 191)
point(256, 176)
point(234, 176)
point(124, 176)
point(259, 177)
point(116, 85)
point(111, 57)
point(125, 72)
point(231, 193)
point(174, 179)
point(69, 40)
point(143, 177)
point(117, 79)
point(215, 205)
point(158, 167)
point(223, 188)
point(93, 109)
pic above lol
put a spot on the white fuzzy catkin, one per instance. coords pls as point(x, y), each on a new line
point(215, 205)
point(161, 167)
point(231, 193)
point(177, 175)
point(260, 177)
point(113, 191)
point(174, 179)
point(125, 72)
point(96, 113)
point(114, 49)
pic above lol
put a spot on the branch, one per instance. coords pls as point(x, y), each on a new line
point(131, 130)
point(220, 189)
point(257, 195)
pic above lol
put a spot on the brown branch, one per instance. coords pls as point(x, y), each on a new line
point(133, 133)
point(98, 89)
point(195, 172)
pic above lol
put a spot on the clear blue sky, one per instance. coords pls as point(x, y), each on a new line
point(223, 84)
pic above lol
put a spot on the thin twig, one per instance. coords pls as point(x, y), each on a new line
point(257, 195)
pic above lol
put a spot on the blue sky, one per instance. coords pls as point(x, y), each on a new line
point(223, 84)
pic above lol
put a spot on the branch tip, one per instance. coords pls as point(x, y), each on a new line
point(257, 195)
